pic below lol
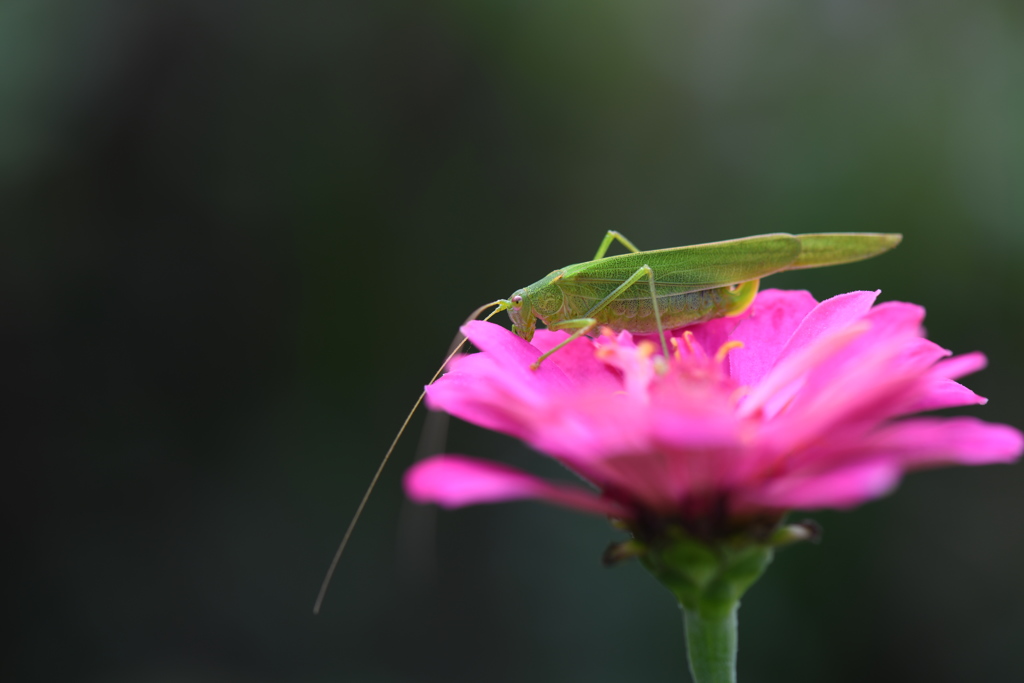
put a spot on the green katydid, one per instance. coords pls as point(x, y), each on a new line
point(652, 291)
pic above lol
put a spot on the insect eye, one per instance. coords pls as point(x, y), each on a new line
point(517, 300)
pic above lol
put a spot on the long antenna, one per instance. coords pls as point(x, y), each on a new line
point(501, 306)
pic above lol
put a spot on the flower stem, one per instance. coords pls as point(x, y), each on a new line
point(708, 580)
point(711, 644)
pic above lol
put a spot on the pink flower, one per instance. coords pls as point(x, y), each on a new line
point(796, 404)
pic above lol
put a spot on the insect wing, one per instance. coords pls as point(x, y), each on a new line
point(833, 248)
point(685, 269)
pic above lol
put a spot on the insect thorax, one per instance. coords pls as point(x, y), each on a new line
point(546, 297)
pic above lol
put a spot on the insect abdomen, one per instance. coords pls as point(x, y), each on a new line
point(678, 310)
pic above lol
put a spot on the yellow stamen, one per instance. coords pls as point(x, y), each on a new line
point(725, 348)
point(676, 352)
point(689, 339)
point(645, 349)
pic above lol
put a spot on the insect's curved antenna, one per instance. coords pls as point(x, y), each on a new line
point(457, 344)
point(416, 542)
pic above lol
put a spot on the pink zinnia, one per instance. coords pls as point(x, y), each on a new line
point(796, 404)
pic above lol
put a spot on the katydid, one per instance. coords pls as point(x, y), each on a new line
point(647, 292)
point(653, 291)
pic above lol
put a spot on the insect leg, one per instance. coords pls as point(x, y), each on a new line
point(644, 270)
point(581, 325)
point(589, 322)
point(607, 242)
point(657, 312)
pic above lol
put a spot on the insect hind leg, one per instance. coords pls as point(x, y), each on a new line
point(609, 237)
point(657, 311)
point(641, 272)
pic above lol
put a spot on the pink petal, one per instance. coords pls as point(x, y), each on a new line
point(773, 318)
point(649, 480)
point(496, 388)
point(685, 449)
point(514, 355)
point(864, 379)
point(894, 318)
point(958, 366)
point(583, 431)
point(835, 331)
point(577, 361)
point(945, 393)
point(841, 488)
point(929, 442)
point(545, 340)
point(466, 393)
point(830, 316)
point(871, 370)
point(697, 423)
point(908, 444)
point(454, 481)
point(787, 377)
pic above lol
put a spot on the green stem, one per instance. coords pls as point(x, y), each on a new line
point(711, 645)
point(708, 579)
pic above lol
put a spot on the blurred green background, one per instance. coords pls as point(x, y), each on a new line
point(239, 235)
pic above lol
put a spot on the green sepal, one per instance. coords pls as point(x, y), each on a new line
point(707, 578)
point(807, 530)
point(626, 550)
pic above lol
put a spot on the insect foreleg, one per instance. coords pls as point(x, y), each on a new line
point(581, 325)
point(588, 323)
point(607, 242)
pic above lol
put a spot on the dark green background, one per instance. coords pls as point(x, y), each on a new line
point(239, 235)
